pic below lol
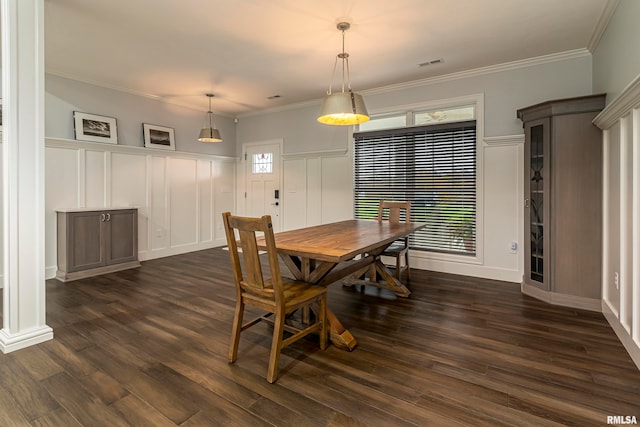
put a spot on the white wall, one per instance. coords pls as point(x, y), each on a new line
point(316, 189)
point(64, 96)
point(318, 167)
point(615, 61)
point(179, 196)
point(617, 72)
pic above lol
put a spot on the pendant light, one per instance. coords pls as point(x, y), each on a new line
point(343, 108)
point(209, 134)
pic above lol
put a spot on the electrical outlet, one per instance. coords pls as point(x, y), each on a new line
point(514, 247)
point(616, 280)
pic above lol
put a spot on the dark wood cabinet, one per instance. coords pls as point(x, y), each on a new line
point(92, 242)
point(563, 196)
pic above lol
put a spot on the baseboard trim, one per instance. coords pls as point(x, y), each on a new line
point(76, 275)
point(465, 269)
point(633, 349)
point(12, 342)
point(51, 271)
point(179, 250)
point(564, 300)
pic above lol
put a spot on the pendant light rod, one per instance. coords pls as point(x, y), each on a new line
point(209, 112)
point(344, 56)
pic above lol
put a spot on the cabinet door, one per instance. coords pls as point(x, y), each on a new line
point(84, 248)
point(121, 240)
point(536, 212)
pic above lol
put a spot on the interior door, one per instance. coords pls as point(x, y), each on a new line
point(262, 178)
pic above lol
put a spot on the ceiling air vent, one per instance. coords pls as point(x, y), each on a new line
point(432, 62)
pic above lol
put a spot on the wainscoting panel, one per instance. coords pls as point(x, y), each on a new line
point(128, 187)
point(294, 202)
point(314, 190)
point(337, 189)
point(179, 196)
point(158, 214)
point(620, 122)
point(205, 201)
point(94, 165)
point(183, 196)
point(224, 184)
point(62, 190)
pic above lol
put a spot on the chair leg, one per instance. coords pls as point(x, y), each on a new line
point(322, 318)
point(406, 263)
point(235, 331)
point(399, 267)
point(276, 346)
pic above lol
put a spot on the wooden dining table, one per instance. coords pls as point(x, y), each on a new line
point(324, 254)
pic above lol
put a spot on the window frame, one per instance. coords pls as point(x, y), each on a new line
point(477, 100)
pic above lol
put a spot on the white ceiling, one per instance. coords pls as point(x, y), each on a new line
point(244, 51)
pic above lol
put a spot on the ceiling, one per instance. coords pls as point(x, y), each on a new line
point(247, 51)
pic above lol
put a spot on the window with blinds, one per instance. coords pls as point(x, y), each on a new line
point(432, 166)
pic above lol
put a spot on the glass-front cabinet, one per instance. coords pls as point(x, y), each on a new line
point(536, 201)
point(563, 200)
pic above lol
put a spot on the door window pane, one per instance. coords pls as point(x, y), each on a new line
point(262, 163)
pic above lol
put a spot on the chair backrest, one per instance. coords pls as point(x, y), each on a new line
point(251, 278)
point(392, 211)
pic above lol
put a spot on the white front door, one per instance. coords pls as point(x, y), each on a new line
point(262, 178)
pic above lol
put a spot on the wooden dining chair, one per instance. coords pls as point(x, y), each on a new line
point(272, 293)
point(392, 212)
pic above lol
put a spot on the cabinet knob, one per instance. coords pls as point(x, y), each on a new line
point(108, 216)
point(526, 203)
point(103, 217)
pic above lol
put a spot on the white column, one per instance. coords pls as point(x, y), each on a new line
point(23, 174)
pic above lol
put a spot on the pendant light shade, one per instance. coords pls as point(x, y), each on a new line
point(345, 107)
point(210, 133)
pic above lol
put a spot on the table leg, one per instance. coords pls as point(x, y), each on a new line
point(340, 337)
point(377, 274)
point(310, 271)
point(392, 283)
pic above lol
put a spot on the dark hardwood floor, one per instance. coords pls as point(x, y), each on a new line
point(148, 347)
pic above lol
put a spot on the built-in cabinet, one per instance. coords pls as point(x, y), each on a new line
point(92, 242)
point(563, 196)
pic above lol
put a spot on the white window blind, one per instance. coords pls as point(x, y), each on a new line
point(432, 166)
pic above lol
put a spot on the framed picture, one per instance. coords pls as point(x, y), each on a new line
point(90, 127)
point(158, 137)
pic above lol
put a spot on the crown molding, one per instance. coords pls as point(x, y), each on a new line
point(130, 91)
point(622, 105)
point(601, 26)
point(507, 66)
